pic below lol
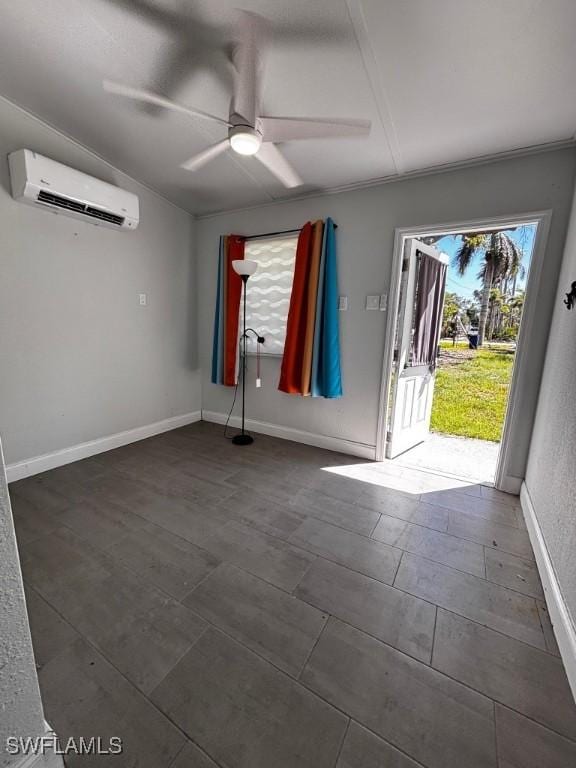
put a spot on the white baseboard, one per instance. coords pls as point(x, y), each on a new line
point(47, 461)
point(338, 444)
point(564, 629)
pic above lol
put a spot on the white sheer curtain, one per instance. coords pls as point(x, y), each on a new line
point(269, 290)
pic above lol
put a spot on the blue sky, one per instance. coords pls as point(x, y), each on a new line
point(466, 285)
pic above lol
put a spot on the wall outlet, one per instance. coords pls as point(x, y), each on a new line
point(343, 303)
point(372, 302)
point(143, 298)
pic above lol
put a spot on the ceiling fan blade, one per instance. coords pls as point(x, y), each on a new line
point(205, 156)
point(251, 34)
point(294, 128)
point(271, 157)
point(161, 101)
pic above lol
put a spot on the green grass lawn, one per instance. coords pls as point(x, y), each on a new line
point(470, 396)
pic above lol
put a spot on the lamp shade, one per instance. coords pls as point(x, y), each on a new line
point(244, 267)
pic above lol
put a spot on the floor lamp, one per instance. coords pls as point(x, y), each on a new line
point(245, 269)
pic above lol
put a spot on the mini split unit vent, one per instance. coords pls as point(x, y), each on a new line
point(39, 181)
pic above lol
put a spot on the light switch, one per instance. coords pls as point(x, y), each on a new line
point(383, 302)
point(143, 299)
point(372, 302)
point(343, 303)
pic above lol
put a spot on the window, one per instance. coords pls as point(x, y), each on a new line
point(269, 290)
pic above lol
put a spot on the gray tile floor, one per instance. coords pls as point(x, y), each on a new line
point(281, 606)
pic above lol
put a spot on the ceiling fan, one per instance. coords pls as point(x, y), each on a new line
point(250, 132)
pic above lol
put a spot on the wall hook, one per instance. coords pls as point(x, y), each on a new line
point(570, 299)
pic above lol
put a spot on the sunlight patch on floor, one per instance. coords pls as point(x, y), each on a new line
point(390, 474)
point(459, 457)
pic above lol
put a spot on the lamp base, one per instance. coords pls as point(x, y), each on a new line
point(242, 440)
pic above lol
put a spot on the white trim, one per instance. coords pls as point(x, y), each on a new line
point(510, 484)
point(338, 444)
point(530, 317)
point(542, 219)
point(387, 363)
point(564, 629)
point(36, 464)
point(433, 170)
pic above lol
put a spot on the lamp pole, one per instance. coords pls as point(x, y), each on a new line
point(243, 438)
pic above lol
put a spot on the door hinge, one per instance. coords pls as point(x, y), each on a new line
point(388, 436)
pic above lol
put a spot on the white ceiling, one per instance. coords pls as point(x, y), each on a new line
point(443, 81)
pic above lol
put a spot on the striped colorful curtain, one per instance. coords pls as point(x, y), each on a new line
point(226, 316)
point(311, 361)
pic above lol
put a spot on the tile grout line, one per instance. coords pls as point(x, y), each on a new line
point(496, 735)
point(312, 562)
point(396, 548)
point(486, 626)
point(102, 654)
point(396, 574)
point(345, 736)
point(177, 755)
point(364, 632)
point(371, 536)
point(298, 680)
point(378, 640)
point(392, 585)
point(434, 638)
point(497, 701)
point(249, 523)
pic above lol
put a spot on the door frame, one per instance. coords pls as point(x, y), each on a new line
point(542, 219)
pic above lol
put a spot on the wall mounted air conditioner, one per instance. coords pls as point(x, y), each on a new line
point(39, 181)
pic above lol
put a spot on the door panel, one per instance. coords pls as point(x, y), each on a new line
point(413, 387)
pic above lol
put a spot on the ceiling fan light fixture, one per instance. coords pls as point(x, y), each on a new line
point(245, 140)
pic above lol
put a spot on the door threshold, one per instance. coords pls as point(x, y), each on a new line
point(440, 473)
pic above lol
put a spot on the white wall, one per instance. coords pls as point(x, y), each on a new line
point(367, 219)
point(20, 705)
point(79, 358)
point(551, 475)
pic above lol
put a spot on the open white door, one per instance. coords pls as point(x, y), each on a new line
point(420, 315)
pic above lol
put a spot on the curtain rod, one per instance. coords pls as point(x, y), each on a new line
point(274, 234)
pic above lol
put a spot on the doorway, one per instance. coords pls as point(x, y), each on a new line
point(455, 343)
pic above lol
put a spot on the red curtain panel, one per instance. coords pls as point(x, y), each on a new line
point(291, 370)
point(232, 292)
point(297, 360)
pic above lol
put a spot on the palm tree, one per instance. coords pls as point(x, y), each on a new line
point(502, 260)
point(495, 305)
